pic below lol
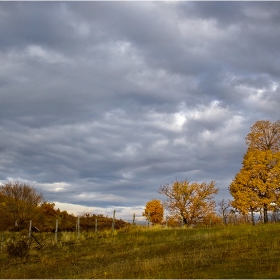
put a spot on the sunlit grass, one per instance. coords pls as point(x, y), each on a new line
point(241, 251)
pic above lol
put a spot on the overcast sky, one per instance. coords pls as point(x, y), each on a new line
point(101, 103)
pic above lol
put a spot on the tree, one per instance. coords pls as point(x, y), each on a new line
point(264, 136)
point(256, 186)
point(224, 210)
point(48, 209)
point(245, 199)
point(5, 219)
point(21, 201)
point(193, 202)
point(173, 220)
point(154, 210)
point(46, 216)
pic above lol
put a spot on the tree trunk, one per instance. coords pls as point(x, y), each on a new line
point(265, 216)
point(253, 218)
point(185, 220)
point(261, 216)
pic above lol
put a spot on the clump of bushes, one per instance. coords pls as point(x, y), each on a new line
point(19, 248)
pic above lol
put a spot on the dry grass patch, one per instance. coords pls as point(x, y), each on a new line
point(232, 252)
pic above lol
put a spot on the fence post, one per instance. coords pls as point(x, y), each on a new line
point(30, 229)
point(56, 230)
point(36, 240)
point(78, 227)
point(133, 220)
point(148, 219)
point(96, 225)
point(113, 223)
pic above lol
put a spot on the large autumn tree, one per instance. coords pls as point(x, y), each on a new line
point(256, 187)
point(192, 201)
point(20, 202)
point(154, 211)
point(264, 136)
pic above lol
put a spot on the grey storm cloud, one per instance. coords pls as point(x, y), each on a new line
point(101, 103)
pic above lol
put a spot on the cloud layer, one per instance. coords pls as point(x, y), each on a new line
point(103, 102)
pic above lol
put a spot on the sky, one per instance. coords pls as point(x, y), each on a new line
point(101, 103)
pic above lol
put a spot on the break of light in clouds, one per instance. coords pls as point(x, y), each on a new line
point(101, 103)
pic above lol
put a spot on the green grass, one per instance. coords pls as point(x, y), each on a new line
point(242, 251)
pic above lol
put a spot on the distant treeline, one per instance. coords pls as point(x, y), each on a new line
point(68, 222)
point(20, 203)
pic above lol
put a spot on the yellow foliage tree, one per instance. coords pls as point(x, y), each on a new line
point(245, 199)
point(192, 201)
point(174, 220)
point(264, 136)
point(154, 211)
point(20, 201)
point(257, 185)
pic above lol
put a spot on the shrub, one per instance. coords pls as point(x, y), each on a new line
point(19, 248)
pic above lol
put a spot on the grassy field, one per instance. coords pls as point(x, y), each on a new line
point(243, 251)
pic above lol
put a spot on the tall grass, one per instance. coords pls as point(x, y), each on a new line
point(242, 251)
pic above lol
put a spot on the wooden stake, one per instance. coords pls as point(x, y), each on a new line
point(133, 222)
point(113, 223)
point(37, 241)
point(56, 230)
point(78, 227)
point(30, 229)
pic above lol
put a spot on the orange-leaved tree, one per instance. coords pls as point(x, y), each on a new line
point(256, 187)
point(264, 136)
point(192, 201)
point(245, 197)
point(154, 211)
point(21, 202)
